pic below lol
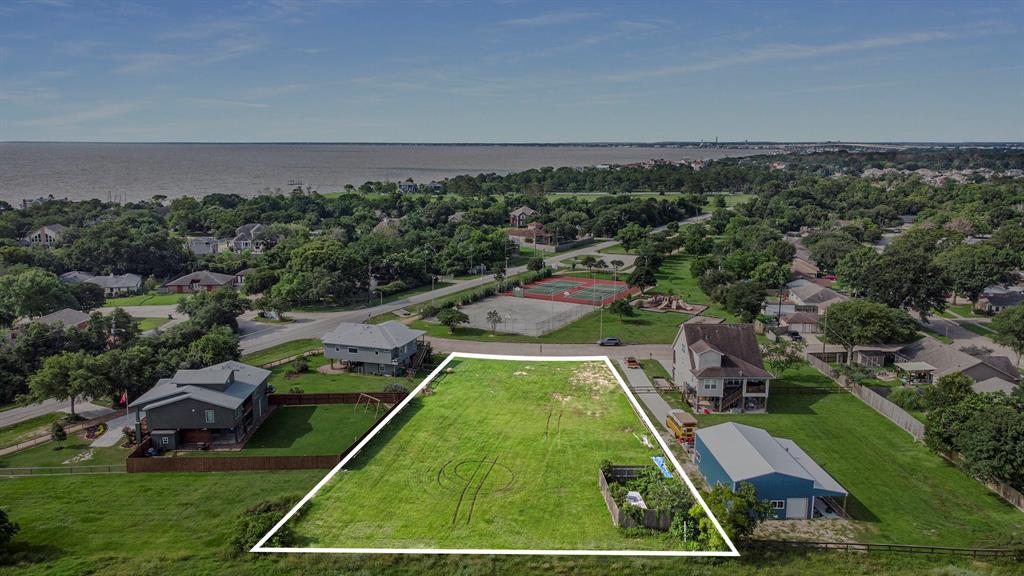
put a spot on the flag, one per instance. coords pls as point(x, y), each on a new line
point(124, 398)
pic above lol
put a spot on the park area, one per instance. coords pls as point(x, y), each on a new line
point(502, 454)
point(592, 292)
point(900, 491)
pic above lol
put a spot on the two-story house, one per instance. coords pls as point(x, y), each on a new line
point(45, 236)
point(247, 238)
point(219, 404)
point(520, 217)
point(718, 368)
point(387, 348)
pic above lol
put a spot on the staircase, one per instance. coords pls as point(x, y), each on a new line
point(732, 398)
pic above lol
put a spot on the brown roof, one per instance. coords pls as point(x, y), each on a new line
point(1004, 365)
point(735, 342)
point(800, 318)
point(204, 277)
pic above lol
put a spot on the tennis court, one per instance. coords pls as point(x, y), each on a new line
point(575, 290)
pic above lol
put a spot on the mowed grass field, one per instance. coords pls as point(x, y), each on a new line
point(900, 492)
point(504, 455)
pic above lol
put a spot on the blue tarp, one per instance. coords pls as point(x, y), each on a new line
point(659, 461)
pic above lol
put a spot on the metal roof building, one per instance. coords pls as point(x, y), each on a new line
point(780, 470)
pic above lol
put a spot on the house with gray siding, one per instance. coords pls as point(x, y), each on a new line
point(387, 348)
point(778, 468)
point(718, 368)
point(219, 404)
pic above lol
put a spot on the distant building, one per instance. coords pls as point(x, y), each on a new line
point(46, 236)
point(388, 225)
point(112, 284)
point(203, 245)
point(800, 322)
point(220, 404)
point(534, 233)
point(408, 186)
point(521, 216)
point(247, 238)
point(780, 471)
point(997, 302)
point(718, 368)
point(201, 281)
point(388, 348)
point(927, 360)
point(67, 317)
point(456, 218)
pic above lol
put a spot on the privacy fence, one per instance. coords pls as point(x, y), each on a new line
point(138, 462)
point(900, 548)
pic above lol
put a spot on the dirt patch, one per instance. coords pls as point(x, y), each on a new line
point(819, 530)
point(592, 376)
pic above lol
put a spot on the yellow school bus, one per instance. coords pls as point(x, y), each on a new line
point(682, 424)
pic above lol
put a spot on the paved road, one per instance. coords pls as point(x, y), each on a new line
point(23, 413)
point(661, 352)
point(963, 337)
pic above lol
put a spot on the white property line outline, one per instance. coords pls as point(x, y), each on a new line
point(732, 552)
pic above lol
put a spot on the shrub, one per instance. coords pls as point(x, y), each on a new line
point(300, 365)
point(8, 530)
point(396, 388)
point(258, 520)
point(906, 397)
point(296, 390)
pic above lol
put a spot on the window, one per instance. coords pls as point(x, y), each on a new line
point(711, 384)
point(353, 350)
point(696, 457)
point(163, 440)
point(209, 416)
point(778, 504)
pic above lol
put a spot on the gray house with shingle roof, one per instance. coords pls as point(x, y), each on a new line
point(200, 281)
point(112, 284)
point(220, 404)
point(718, 368)
point(387, 348)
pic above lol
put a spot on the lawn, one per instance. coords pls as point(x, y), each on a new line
point(615, 249)
point(151, 323)
point(282, 351)
point(148, 299)
point(978, 328)
point(313, 381)
point(730, 201)
point(644, 328)
point(181, 523)
point(934, 333)
point(654, 369)
point(376, 300)
point(503, 455)
point(674, 277)
point(305, 431)
point(900, 492)
point(27, 430)
point(48, 454)
point(966, 311)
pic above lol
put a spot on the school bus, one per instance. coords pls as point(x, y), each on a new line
point(682, 424)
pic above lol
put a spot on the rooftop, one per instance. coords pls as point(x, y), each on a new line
point(384, 336)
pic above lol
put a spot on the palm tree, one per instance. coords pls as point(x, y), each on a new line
point(493, 318)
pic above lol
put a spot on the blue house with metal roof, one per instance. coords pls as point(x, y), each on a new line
point(781, 472)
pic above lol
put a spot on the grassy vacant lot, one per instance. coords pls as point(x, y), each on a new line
point(282, 351)
point(181, 523)
point(305, 431)
point(74, 448)
point(151, 323)
point(730, 201)
point(644, 328)
point(900, 492)
point(147, 299)
point(38, 426)
point(675, 277)
point(313, 381)
point(503, 455)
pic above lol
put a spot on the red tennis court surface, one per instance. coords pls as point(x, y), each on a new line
point(575, 290)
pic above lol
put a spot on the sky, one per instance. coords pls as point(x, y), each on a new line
point(446, 71)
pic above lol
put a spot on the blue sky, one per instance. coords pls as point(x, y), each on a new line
point(291, 70)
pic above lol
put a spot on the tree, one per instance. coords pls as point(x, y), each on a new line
point(535, 264)
point(856, 322)
point(906, 277)
point(34, 292)
point(617, 265)
point(992, 445)
point(219, 344)
point(8, 530)
point(738, 512)
point(854, 270)
point(588, 261)
point(949, 390)
point(69, 376)
point(828, 248)
point(782, 354)
point(744, 299)
point(87, 295)
point(218, 308)
point(621, 308)
point(1008, 326)
point(494, 318)
point(972, 268)
point(642, 277)
point(452, 318)
point(770, 274)
point(631, 234)
point(58, 434)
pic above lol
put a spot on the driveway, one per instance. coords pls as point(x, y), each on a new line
point(113, 436)
point(644, 390)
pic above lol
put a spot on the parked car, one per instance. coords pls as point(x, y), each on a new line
point(796, 336)
point(609, 341)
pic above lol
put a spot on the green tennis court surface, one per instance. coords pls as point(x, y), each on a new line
point(553, 287)
point(597, 292)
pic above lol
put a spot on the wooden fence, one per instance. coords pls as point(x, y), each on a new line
point(876, 401)
point(655, 519)
point(901, 548)
point(1004, 490)
point(137, 461)
point(282, 361)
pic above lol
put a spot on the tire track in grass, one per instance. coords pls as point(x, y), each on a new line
point(472, 503)
point(462, 495)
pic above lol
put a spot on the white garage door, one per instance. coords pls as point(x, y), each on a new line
point(796, 507)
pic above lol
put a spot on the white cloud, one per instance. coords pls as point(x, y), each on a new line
point(551, 19)
point(784, 52)
point(146, 62)
point(220, 103)
point(81, 116)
